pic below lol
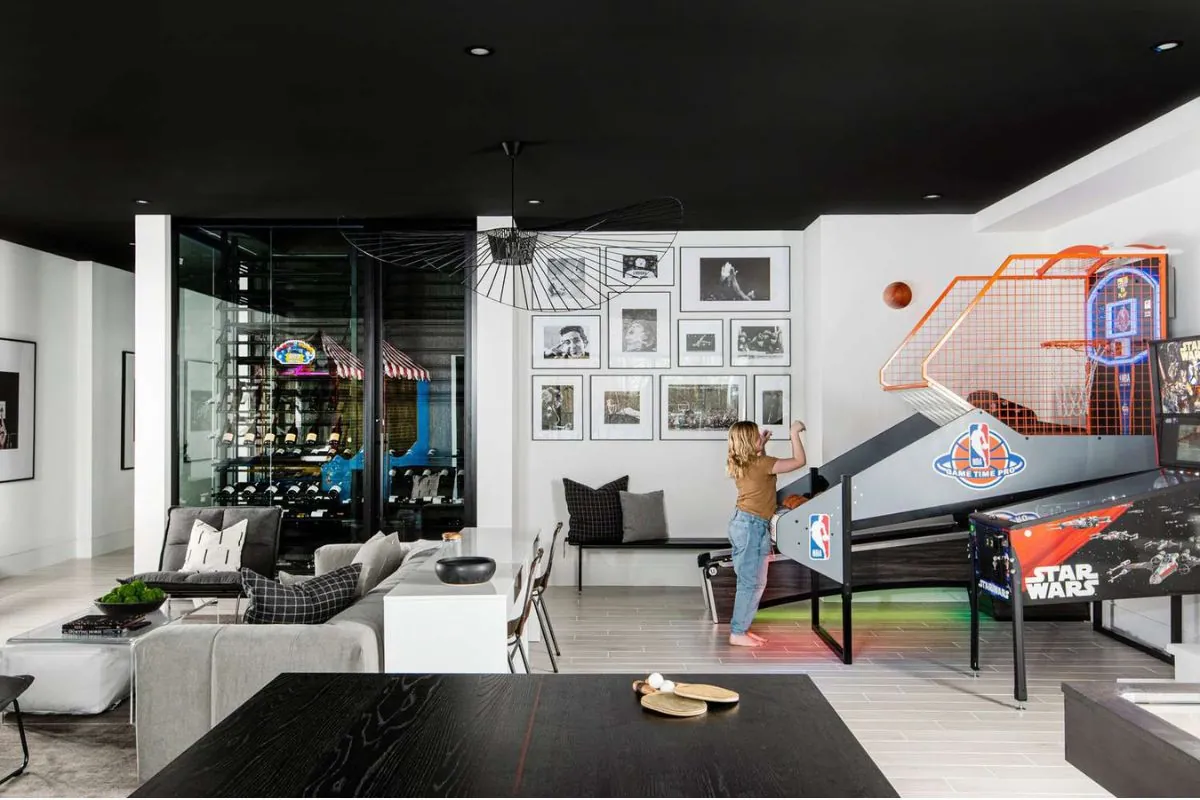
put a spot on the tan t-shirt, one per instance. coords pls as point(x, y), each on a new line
point(757, 488)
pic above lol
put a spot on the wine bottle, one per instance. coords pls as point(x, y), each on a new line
point(335, 435)
point(227, 436)
point(313, 490)
point(250, 437)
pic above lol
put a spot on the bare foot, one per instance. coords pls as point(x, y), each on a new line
point(743, 640)
point(757, 638)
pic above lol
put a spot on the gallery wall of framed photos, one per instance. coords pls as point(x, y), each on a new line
point(704, 339)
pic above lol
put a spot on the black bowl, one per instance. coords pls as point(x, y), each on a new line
point(129, 609)
point(465, 569)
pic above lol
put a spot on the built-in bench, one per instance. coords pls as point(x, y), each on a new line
point(674, 543)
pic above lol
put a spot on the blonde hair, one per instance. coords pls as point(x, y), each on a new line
point(743, 448)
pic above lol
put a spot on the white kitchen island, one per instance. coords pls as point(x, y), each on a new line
point(430, 626)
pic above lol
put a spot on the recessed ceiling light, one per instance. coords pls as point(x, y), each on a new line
point(1163, 47)
point(933, 196)
point(142, 202)
point(133, 244)
point(479, 51)
point(535, 202)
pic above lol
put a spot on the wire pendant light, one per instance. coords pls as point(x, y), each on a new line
point(569, 266)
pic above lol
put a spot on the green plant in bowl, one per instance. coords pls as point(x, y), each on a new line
point(130, 599)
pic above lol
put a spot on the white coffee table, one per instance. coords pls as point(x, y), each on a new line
point(81, 674)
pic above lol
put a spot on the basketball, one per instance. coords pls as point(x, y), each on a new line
point(897, 294)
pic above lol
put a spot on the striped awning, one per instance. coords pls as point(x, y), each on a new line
point(342, 362)
point(398, 365)
point(345, 364)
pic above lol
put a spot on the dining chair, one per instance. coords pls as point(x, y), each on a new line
point(516, 626)
point(12, 687)
point(539, 603)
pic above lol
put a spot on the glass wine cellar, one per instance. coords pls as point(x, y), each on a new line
point(316, 379)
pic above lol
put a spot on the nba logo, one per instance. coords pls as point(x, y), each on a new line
point(980, 442)
point(818, 537)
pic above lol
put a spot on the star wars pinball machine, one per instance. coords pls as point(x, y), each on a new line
point(1133, 537)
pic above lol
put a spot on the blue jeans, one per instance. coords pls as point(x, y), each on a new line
point(751, 539)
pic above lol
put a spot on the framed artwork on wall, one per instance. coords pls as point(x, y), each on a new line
point(622, 407)
point(18, 379)
point(632, 268)
point(639, 331)
point(557, 408)
point(735, 279)
point(566, 341)
point(760, 342)
point(700, 406)
point(568, 280)
point(199, 409)
point(127, 417)
point(701, 343)
point(773, 403)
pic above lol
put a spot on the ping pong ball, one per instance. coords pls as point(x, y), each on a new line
point(655, 680)
point(668, 687)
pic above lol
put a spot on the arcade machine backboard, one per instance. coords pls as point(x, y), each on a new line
point(1137, 536)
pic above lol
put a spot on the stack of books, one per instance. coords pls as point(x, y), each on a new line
point(100, 625)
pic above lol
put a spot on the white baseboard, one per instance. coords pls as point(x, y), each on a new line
point(110, 542)
point(38, 557)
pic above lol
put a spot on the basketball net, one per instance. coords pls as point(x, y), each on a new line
point(1072, 400)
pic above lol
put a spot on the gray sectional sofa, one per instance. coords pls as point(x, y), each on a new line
point(188, 677)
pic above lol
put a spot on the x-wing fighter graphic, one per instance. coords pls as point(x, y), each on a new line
point(1084, 522)
point(1113, 536)
point(1161, 566)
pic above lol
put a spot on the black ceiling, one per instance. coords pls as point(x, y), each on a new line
point(755, 114)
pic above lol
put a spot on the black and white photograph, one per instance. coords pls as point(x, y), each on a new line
point(736, 279)
point(761, 342)
point(557, 403)
point(701, 406)
point(199, 381)
point(701, 343)
point(569, 280)
point(631, 269)
point(639, 331)
point(622, 407)
point(10, 410)
point(18, 368)
point(562, 341)
point(127, 415)
point(772, 403)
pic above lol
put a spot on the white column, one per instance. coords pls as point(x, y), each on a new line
point(85, 404)
point(152, 387)
point(492, 369)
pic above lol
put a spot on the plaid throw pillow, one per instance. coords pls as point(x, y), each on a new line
point(595, 513)
point(309, 603)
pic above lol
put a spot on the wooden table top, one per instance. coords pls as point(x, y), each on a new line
point(342, 735)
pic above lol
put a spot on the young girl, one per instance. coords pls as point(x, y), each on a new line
point(750, 529)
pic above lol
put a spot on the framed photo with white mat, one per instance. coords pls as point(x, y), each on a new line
point(760, 342)
point(701, 343)
point(557, 406)
point(565, 341)
point(639, 331)
point(739, 280)
point(700, 406)
point(627, 268)
point(18, 378)
point(622, 407)
point(773, 403)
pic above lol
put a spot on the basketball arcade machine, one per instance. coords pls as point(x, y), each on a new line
point(1017, 397)
point(1133, 537)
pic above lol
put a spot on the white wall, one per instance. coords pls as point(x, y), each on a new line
point(40, 300)
point(850, 260)
point(1165, 215)
point(698, 495)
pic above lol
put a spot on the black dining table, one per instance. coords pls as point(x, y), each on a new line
point(355, 735)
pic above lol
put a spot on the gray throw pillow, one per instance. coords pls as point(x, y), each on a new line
point(644, 517)
point(379, 556)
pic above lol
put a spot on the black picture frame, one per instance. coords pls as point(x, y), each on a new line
point(591, 410)
point(581, 407)
point(611, 329)
point(32, 413)
point(743, 381)
point(679, 342)
point(694, 304)
point(785, 323)
point(598, 342)
point(127, 411)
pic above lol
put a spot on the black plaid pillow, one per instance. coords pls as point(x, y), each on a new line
point(595, 513)
point(309, 603)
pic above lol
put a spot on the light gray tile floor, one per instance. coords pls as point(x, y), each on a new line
point(933, 729)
